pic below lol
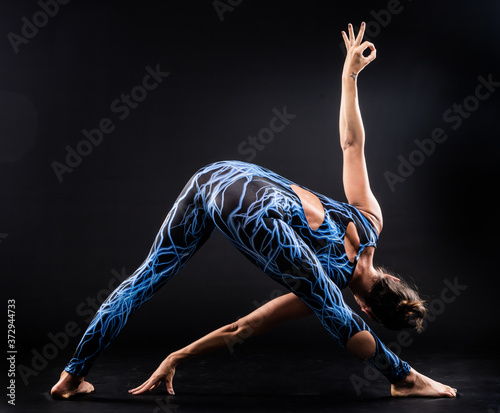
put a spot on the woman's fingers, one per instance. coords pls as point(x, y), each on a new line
point(168, 381)
point(369, 45)
point(163, 374)
point(146, 386)
point(346, 40)
point(361, 33)
point(138, 389)
point(351, 34)
point(354, 40)
point(141, 389)
point(170, 388)
point(169, 378)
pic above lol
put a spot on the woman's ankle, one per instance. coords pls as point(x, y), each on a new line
point(408, 381)
point(71, 378)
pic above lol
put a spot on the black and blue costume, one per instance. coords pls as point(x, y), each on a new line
point(262, 216)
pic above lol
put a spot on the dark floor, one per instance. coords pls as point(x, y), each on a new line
point(268, 380)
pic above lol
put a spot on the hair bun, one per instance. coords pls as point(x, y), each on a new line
point(414, 311)
point(396, 304)
point(409, 304)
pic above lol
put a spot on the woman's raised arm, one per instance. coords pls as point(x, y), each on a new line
point(352, 134)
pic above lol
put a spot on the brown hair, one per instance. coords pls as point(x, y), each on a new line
point(396, 304)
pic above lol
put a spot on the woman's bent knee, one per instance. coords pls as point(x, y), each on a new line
point(362, 345)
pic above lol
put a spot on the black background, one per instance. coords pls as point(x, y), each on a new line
point(61, 240)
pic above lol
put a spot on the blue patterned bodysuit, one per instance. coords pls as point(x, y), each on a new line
point(262, 216)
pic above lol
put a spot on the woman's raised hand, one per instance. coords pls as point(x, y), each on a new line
point(355, 61)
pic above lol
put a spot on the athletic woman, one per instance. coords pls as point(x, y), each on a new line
point(312, 245)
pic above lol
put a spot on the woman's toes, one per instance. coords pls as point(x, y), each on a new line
point(85, 387)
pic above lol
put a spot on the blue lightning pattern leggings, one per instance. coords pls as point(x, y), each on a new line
point(262, 216)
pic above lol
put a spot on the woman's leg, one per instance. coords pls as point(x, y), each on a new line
point(184, 230)
point(258, 229)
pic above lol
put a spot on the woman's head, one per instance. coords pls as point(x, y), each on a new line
point(395, 304)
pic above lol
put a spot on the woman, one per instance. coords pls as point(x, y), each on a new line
point(311, 244)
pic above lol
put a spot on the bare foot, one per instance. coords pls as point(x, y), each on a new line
point(70, 385)
point(418, 385)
